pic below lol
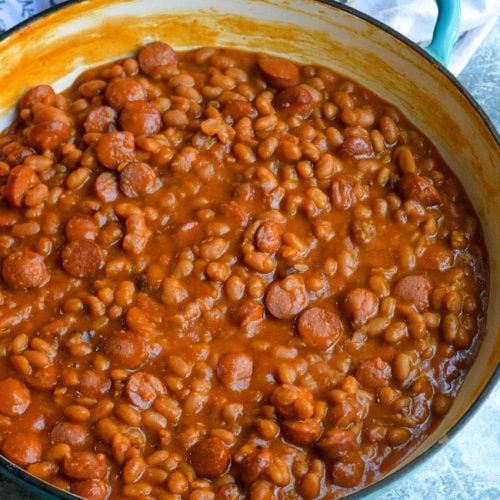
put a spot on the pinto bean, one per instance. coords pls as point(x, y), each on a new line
point(76, 435)
point(413, 289)
point(81, 227)
point(21, 179)
point(138, 179)
point(122, 90)
point(86, 465)
point(100, 120)
point(82, 258)
point(235, 371)
point(301, 432)
point(142, 389)
point(414, 187)
point(15, 398)
point(106, 187)
point(153, 56)
point(374, 373)
point(126, 350)
point(209, 457)
point(295, 101)
point(22, 448)
point(278, 72)
point(114, 148)
point(140, 118)
point(360, 305)
point(337, 443)
point(286, 298)
point(25, 270)
point(319, 328)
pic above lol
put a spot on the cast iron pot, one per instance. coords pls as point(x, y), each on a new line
point(57, 45)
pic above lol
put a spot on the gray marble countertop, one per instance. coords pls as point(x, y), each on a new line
point(469, 466)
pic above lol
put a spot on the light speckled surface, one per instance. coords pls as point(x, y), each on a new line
point(468, 467)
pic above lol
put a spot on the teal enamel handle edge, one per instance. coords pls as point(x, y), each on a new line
point(445, 31)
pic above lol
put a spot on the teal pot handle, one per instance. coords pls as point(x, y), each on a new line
point(445, 31)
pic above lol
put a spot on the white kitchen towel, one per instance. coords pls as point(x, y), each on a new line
point(413, 18)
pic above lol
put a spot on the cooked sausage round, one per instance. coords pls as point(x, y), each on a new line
point(122, 90)
point(21, 179)
point(301, 432)
point(319, 328)
point(94, 383)
point(374, 373)
point(414, 187)
point(22, 448)
point(81, 227)
point(296, 101)
point(86, 465)
point(25, 270)
point(286, 298)
point(413, 289)
point(76, 435)
point(106, 187)
point(140, 118)
point(143, 388)
point(114, 148)
point(268, 236)
point(40, 93)
point(237, 109)
point(348, 471)
point(279, 73)
point(209, 457)
point(360, 305)
point(337, 443)
point(82, 258)
point(137, 179)
point(90, 489)
point(358, 147)
point(235, 371)
point(153, 56)
point(44, 379)
point(15, 397)
point(100, 120)
point(48, 135)
point(126, 350)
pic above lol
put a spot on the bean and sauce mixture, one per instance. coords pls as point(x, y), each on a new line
point(227, 276)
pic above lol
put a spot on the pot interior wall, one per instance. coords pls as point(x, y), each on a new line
point(61, 45)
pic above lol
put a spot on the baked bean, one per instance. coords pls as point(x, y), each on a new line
point(140, 118)
point(286, 298)
point(319, 328)
point(209, 457)
point(114, 148)
point(235, 371)
point(82, 258)
point(293, 402)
